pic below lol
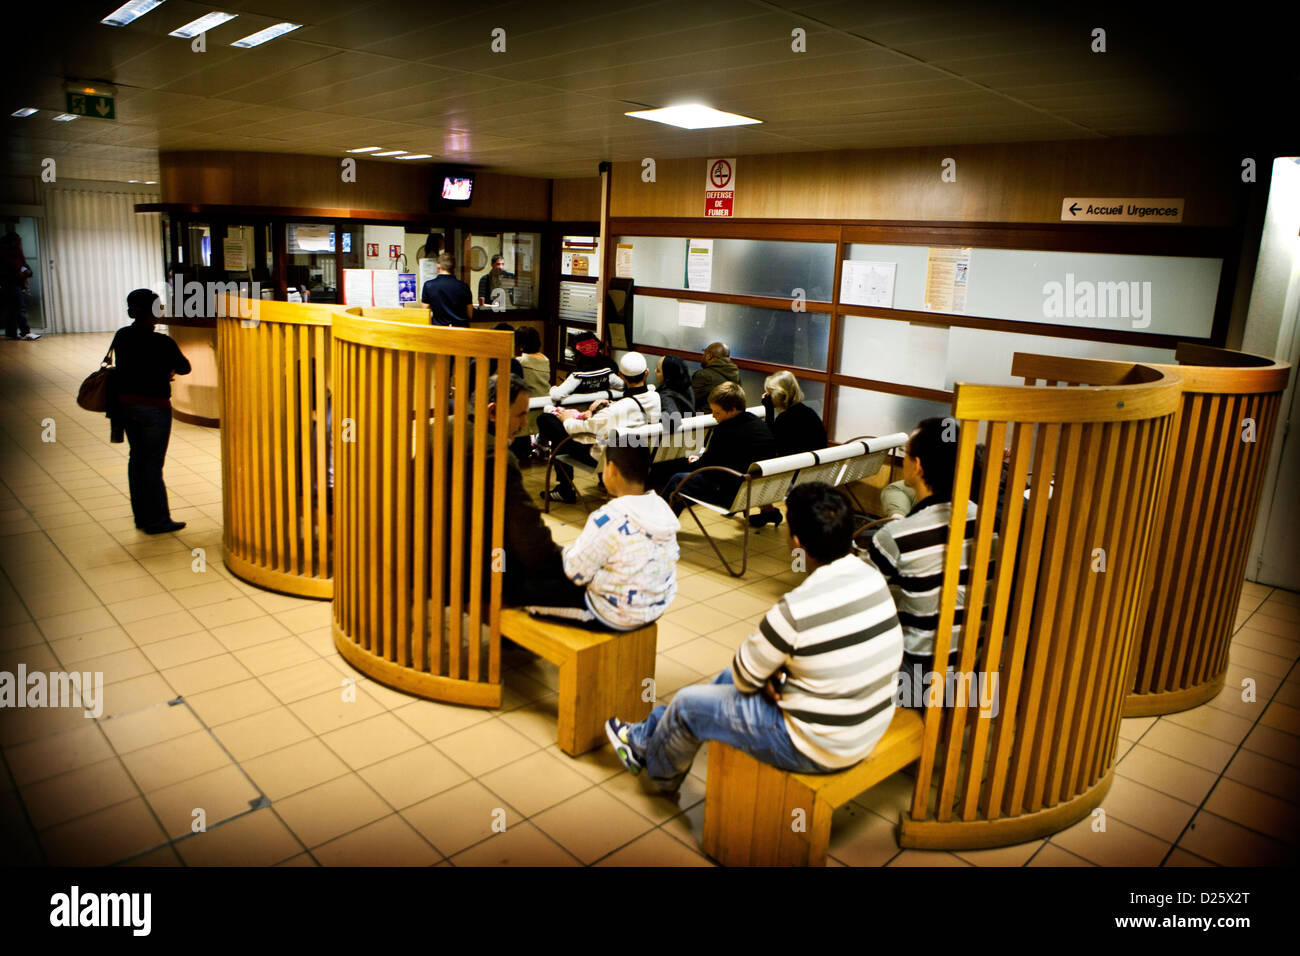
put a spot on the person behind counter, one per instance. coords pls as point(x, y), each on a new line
point(144, 363)
point(492, 280)
point(447, 298)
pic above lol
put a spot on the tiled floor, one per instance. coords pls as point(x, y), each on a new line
point(223, 701)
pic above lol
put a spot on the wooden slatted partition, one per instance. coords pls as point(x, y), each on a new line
point(274, 373)
point(1020, 740)
point(1227, 417)
point(419, 516)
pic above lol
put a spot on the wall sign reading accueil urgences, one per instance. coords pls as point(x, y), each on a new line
point(1088, 209)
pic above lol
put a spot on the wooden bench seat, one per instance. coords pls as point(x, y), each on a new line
point(602, 673)
point(750, 816)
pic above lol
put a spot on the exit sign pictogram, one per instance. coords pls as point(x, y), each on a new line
point(92, 104)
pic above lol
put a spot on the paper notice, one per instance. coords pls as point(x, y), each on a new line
point(699, 264)
point(236, 255)
point(623, 261)
point(691, 314)
point(358, 287)
point(386, 294)
point(867, 283)
point(945, 279)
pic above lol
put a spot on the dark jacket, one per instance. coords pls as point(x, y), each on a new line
point(796, 429)
point(707, 379)
point(143, 364)
point(737, 443)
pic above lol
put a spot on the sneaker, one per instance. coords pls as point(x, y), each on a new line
point(617, 732)
point(165, 528)
point(32, 336)
point(758, 520)
point(566, 495)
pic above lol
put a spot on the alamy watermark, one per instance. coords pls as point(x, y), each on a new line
point(55, 689)
point(195, 299)
point(918, 687)
point(1085, 299)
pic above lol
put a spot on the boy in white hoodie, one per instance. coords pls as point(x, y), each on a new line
point(622, 569)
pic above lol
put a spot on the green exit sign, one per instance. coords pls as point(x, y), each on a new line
point(91, 104)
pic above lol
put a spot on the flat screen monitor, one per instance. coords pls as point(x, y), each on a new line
point(457, 189)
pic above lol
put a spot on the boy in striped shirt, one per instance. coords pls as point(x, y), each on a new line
point(812, 689)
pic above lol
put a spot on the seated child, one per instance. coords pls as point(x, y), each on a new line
point(621, 572)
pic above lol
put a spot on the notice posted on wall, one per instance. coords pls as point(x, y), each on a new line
point(623, 261)
point(236, 255)
point(406, 287)
point(358, 287)
point(425, 269)
point(699, 264)
point(946, 277)
point(386, 294)
point(692, 314)
point(864, 282)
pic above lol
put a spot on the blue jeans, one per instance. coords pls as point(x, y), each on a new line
point(671, 736)
point(148, 431)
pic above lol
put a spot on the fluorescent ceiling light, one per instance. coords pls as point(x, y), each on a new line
point(151, 182)
point(365, 149)
point(128, 12)
point(270, 33)
point(25, 111)
point(693, 116)
point(391, 152)
point(65, 117)
point(417, 156)
point(202, 25)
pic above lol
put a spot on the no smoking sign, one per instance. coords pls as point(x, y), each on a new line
point(720, 188)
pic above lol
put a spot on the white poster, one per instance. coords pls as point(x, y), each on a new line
point(946, 279)
point(386, 288)
point(236, 255)
point(864, 282)
point(692, 314)
point(358, 287)
point(623, 261)
point(426, 270)
point(699, 264)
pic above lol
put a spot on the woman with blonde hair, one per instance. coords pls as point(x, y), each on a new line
point(794, 424)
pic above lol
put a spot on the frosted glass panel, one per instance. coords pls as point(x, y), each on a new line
point(739, 266)
point(984, 356)
point(768, 335)
point(862, 412)
point(903, 353)
point(1170, 295)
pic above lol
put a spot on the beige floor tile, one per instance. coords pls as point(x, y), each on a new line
point(205, 800)
point(109, 573)
point(261, 659)
point(1261, 661)
point(205, 593)
point(672, 675)
point(136, 693)
point(178, 651)
point(1132, 728)
point(162, 628)
point(860, 837)
point(206, 674)
point(84, 621)
point(173, 761)
point(1277, 744)
point(1281, 717)
point(112, 591)
point(654, 806)
point(1178, 779)
point(224, 613)
point(1182, 858)
point(73, 650)
point(1053, 855)
point(148, 726)
point(77, 793)
point(891, 798)
point(461, 817)
point(336, 708)
point(390, 841)
point(1267, 623)
point(249, 633)
point(138, 609)
point(537, 721)
point(702, 655)
point(432, 720)
point(259, 838)
point(306, 859)
point(1017, 855)
point(520, 845)
point(700, 618)
point(261, 733)
point(669, 635)
point(56, 754)
point(369, 741)
point(656, 848)
point(331, 809)
point(596, 765)
point(927, 858)
point(162, 856)
point(535, 782)
point(224, 704)
point(592, 824)
point(104, 837)
point(486, 746)
point(1255, 810)
point(1188, 745)
point(31, 723)
point(519, 689)
point(1118, 845)
point(1263, 773)
point(413, 776)
point(299, 620)
point(1221, 841)
point(299, 767)
point(1149, 810)
point(305, 680)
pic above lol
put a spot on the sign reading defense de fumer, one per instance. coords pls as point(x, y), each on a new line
point(720, 188)
point(1121, 210)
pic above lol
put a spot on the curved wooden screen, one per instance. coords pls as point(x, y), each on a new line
point(275, 489)
point(1051, 607)
point(419, 516)
point(1227, 417)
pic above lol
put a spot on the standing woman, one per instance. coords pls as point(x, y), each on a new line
point(795, 426)
point(144, 363)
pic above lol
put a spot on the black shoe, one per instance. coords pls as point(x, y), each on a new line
point(758, 520)
point(774, 518)
point(167, 527)
point(567, 495)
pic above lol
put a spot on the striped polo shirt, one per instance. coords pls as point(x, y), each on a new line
point(909, 553)
point(837, 638)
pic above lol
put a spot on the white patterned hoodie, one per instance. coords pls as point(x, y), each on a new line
point(627, 557)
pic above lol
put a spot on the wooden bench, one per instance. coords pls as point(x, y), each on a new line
point(602, 673)
point(751, 809)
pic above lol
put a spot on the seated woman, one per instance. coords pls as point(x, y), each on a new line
point(537, 375)
point(676, 403)
point(795, 426)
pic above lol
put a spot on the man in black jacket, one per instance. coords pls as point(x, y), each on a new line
point(737, 441)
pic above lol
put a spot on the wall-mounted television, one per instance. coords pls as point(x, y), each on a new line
point(452, 187)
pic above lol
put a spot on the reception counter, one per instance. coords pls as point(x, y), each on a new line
point(196, 398)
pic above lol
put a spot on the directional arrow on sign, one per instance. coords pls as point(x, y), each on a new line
point(1074, 209)
point(101, 107)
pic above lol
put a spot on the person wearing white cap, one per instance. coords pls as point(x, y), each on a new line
point(638, 406)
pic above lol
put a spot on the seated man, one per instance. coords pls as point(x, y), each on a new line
point(896, 499)
point(716, 367)
point(736, 442)
point(812, 689)
point(621, 572)
point(909, 552)
point(638, 406)
point(596, 374)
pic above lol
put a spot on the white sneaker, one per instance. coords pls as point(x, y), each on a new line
point(32, 336)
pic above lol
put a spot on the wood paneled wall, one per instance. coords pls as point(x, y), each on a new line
point(1002, 182)
point(575, 200)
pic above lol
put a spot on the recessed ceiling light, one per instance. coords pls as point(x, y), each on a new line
point(391, 152)
point(202, 25)
point(417, 156)
point(365, 149)
point(25, 111)
point(133, 180)
point(65, 117)
point(693, 116)
point(151, 182)
point(128, 12)
point(261, 36)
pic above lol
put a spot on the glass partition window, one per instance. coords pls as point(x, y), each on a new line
point(861, 412)
point(195, 248)
point(311, 266)
point(513, 281)
point(780, 336)
point(734, 266)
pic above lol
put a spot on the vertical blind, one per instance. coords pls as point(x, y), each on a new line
point(101, 250)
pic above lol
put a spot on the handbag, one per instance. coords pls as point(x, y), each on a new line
point(94, 392)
